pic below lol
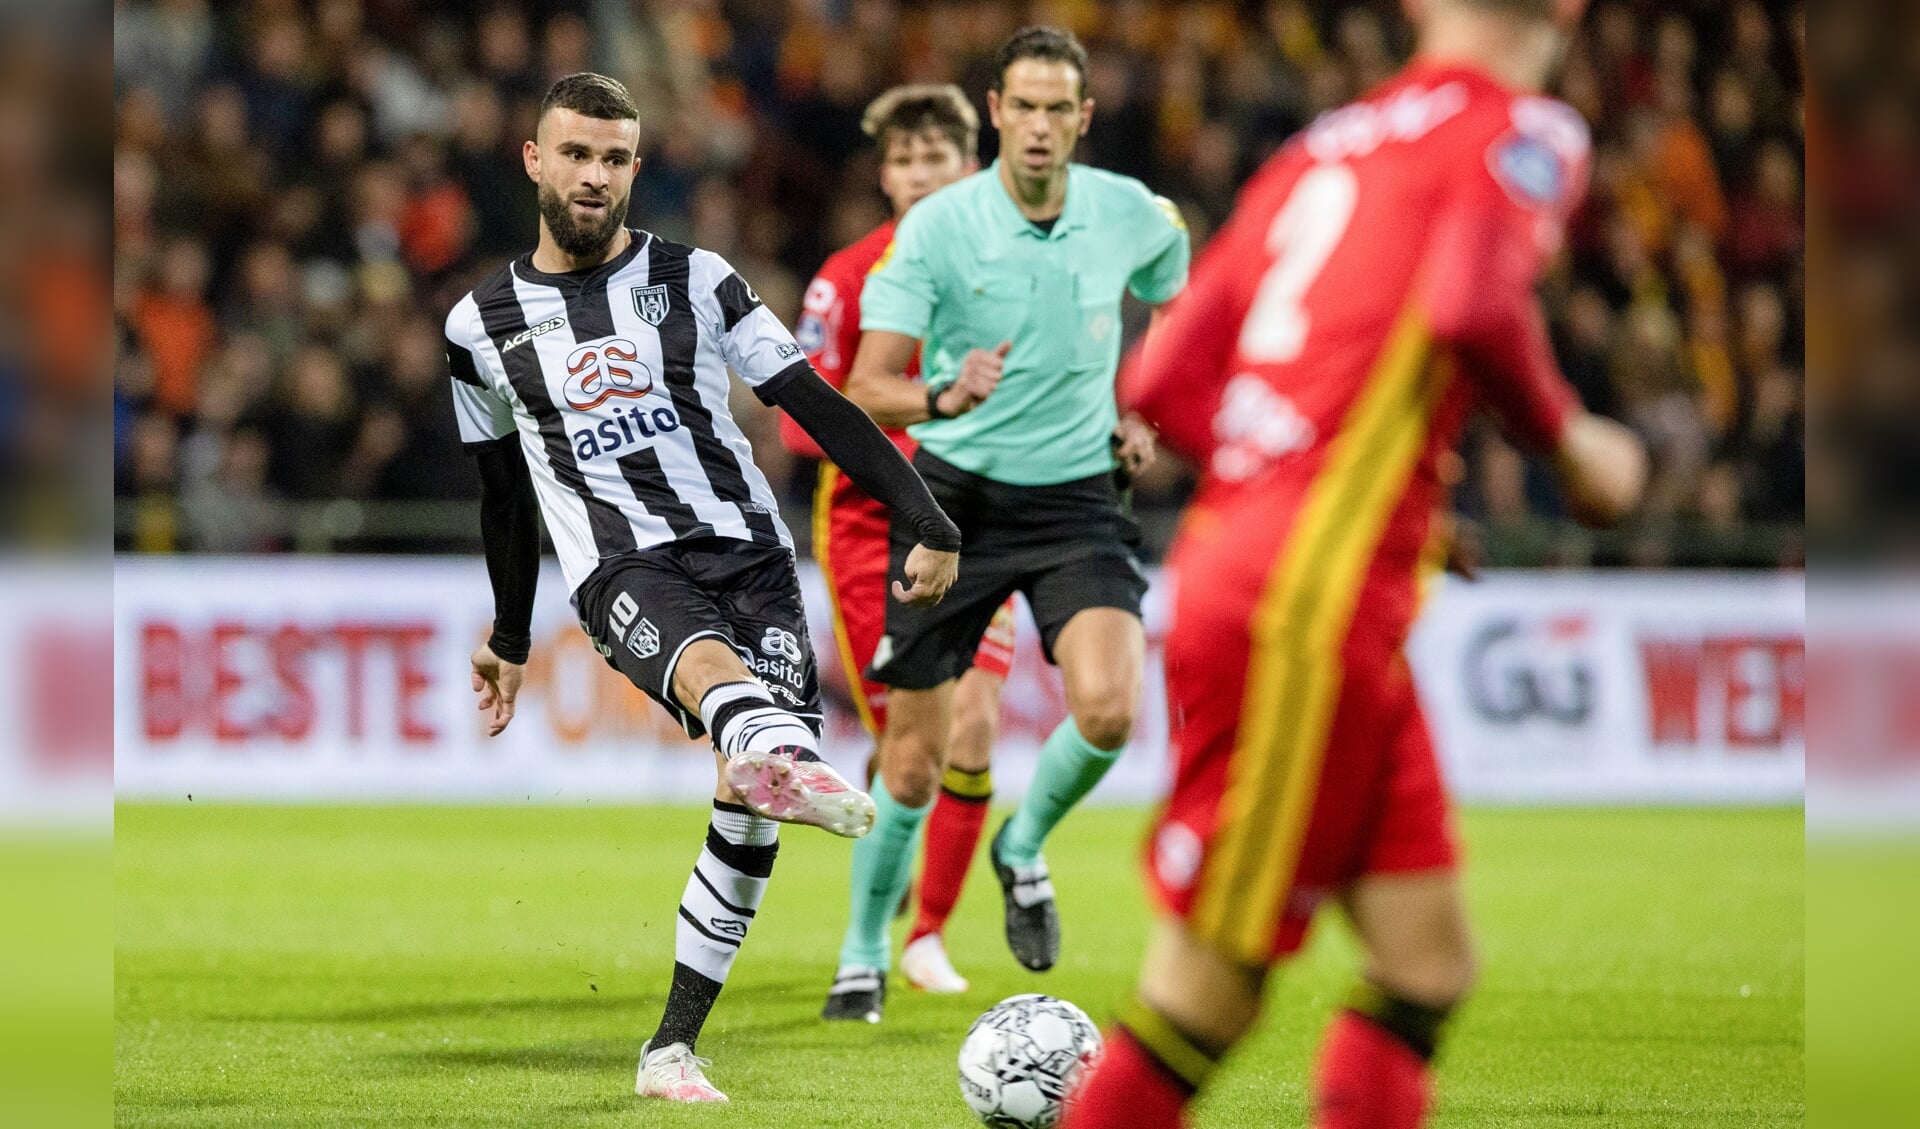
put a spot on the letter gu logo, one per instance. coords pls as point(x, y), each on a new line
point(1516, 670)
point(603, 369)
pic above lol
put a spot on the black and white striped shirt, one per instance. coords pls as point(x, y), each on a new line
point(615, 379)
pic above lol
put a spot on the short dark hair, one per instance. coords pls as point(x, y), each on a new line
point(1054, 44)
point(591, 95)
point(924, 108)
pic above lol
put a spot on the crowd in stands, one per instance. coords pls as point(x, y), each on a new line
point(302, 189)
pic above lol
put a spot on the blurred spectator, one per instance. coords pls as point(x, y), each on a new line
point(301, 190)
point(175, 327)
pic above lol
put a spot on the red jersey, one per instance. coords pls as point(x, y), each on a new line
point(829, 331)
point(1373, 286)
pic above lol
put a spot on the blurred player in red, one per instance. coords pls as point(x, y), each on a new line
point(927, 136)
point(1373, 288)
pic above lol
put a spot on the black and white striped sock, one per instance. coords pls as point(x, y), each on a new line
point(718, 905)
point(742, 717)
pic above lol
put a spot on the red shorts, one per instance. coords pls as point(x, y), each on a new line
point(1295, 774)
point(850, 544)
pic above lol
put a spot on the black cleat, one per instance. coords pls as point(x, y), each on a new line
point(857, 994)
point(1033, 925)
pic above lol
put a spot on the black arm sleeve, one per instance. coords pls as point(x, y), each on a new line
point(511, 534)
point(857, 445)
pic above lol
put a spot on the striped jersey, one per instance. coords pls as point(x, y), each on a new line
point(615, 380)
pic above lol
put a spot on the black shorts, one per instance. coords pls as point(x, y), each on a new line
point(642, 609)
point(1065, 547)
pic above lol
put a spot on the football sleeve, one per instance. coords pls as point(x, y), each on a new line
point(857, 445)
point(481, 413)
point(1163, 270)
point(899, 293)
point(509, 510)
point(755, 344)
point(829, 335)
point(1488, 249)
point(510, 537)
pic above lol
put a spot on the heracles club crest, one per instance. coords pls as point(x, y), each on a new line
point(650, 302)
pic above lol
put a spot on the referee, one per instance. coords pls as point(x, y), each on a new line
point(1008, 285)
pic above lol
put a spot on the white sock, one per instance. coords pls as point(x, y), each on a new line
point(718, 905)
point(742, 717)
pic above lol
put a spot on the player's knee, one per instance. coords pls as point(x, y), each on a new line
point(1106, 721)
point(912, 781)
point(1440, 979)
point(1213, 999)
point(971, 742)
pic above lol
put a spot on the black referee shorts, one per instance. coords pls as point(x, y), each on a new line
point(1065, 547)
point(642, 609)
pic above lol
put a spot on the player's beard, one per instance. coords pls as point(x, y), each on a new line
point(581, 240)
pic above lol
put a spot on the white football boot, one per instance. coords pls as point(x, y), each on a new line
point(925, 965)
point(787, 790)
point(674, 1073)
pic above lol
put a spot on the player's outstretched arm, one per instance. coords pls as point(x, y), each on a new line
point(510, 533)
point(865, 454)
point(878, 384)
point(1481, 304)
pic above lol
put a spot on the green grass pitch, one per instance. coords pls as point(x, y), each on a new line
point(405, 966)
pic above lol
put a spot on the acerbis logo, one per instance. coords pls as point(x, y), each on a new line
point(731, 926)
point(529, 334)
point(604, 369)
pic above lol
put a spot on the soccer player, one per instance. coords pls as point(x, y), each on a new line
point(590, 382)
point(1373, 287)
point(927, 136)
point(1012, 278)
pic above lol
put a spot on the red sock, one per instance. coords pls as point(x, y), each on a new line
point(953, 836)
point(1128, 1089)
point(1368, 1079)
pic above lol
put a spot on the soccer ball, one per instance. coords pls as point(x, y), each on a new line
point(1022, 1057)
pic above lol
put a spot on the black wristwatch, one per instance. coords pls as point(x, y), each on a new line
point(933, 403)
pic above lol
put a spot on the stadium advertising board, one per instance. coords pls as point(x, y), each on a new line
point(56, 751)
point(344, 678)
point(1602, 688)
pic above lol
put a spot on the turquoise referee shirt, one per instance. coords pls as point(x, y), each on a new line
point(967, 271)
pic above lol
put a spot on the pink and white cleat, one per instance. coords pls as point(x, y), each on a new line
point(786, 790)
point(925, 964)
point(674, 1073)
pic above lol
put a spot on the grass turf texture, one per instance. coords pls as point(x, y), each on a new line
point(494, 967)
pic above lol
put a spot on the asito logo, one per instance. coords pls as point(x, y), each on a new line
point(781, 664)
point(605, 370)
point(600, 370)
point(780, 643)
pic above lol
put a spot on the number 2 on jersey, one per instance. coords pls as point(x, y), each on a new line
point(1301, 238)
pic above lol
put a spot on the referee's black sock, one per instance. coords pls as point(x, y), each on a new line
point(721, 898)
